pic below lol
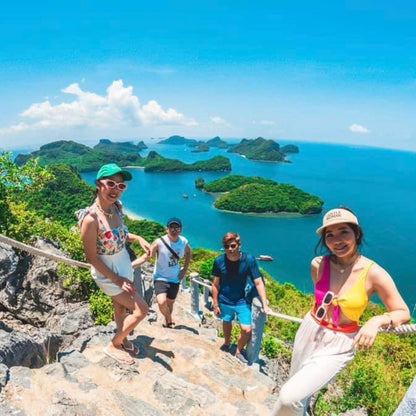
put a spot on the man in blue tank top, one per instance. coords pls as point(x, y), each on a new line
point(232, 272)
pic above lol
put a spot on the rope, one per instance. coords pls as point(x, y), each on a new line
point(38, 252)
point(401, 329)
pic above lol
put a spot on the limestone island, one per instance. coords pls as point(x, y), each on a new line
point(85, 159)
point(263, 150)
point(120, 147)
point(260, 196)
point(180, 140)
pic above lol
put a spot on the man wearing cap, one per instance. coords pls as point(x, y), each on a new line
point(167, 274)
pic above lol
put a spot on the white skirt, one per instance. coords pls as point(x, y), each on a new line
point(120, 264)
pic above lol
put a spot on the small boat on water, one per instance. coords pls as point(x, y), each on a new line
point(265, 257)
point(185, 196)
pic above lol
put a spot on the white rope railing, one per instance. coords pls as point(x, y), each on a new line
point(38, 252)
point(401, 329)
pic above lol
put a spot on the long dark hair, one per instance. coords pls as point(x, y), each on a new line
point(322, 248)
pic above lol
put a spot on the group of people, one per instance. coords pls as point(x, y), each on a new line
point(329, 335)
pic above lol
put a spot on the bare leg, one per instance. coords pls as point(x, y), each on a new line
point(244, 338)
point(170, 303)
point(127, 322)
point(164, 307)
point(227, 327)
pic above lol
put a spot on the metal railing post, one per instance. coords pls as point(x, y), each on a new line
point(194, 294)
point(258, 322)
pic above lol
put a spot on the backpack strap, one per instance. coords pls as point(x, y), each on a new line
point(170, 248)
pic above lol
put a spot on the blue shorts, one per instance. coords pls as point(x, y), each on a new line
point(243, 313)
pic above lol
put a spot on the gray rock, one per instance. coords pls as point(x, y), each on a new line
point(178, 396)
point(20, 376)
point(8, 263)
point(19, 349)
point(6, 409)
point(64, 405)
point(4, 374)
point(408, 405)
point(135, 407)
point(33, 288)
point(73, 361)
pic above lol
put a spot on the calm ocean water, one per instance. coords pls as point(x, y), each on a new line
point(379, 185)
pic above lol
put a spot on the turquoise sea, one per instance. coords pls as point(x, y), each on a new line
point(378, 185)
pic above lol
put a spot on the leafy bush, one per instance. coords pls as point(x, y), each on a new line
point(102, 307)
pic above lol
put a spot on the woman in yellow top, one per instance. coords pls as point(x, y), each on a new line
point(328, 337)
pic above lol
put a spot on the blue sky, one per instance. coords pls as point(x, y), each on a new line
point(340, 71)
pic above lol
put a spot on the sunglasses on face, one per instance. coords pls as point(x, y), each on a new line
point(174, 227)
point(321, 311)
point(232, 245)
point(121, 186)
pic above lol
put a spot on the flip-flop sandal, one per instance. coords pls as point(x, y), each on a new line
point(169, 325)
point(132, 349)
point(120, 357)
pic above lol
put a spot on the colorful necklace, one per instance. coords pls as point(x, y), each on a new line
point(107, 214)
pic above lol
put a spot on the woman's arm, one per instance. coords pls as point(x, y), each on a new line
point(316, 268)
point(398, 313)
point(139, 239)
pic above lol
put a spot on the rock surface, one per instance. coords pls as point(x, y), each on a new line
point(179, 371)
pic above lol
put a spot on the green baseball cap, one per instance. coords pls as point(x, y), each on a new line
point(111, 169)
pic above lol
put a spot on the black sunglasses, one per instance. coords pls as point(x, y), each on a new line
point(232, 245)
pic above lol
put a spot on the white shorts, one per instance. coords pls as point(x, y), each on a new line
point(120, 264)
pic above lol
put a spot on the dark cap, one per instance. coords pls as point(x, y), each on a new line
point(112, 169)
point(174, 220)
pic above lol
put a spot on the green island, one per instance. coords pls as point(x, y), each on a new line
point(386, 367)
point(263, 150)
point(202, 147)
point(260, 195)
point(120, 147)
point(85, 159)
point(180, 140)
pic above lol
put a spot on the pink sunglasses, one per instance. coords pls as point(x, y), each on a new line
point(121, 186)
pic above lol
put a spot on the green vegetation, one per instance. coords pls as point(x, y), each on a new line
point(79, 156)
point(260, 195)
point(84, 159)
point(119, 147)
point(227, 183)
point(217, 142)
point(157, 163)
point(199, 183)
point(376, 379)
point(179, 140)
point(262, 149)
point(202, 147)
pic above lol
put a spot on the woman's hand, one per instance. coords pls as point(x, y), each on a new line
point(367, 334)
point(217, 310)
point(127, 285)
point(266, 310)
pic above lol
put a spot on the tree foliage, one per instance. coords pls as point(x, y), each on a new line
point(261, 195)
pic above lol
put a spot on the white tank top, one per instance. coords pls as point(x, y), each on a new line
point(167, 266)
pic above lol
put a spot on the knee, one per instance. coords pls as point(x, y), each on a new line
point(288, 399)
point(141, 310)
point(246, 330)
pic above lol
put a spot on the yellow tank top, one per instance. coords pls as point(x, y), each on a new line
point(354, 301)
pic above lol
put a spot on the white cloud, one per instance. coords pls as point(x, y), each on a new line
point(119, 107)
point(356, 128)
point(219, 121)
